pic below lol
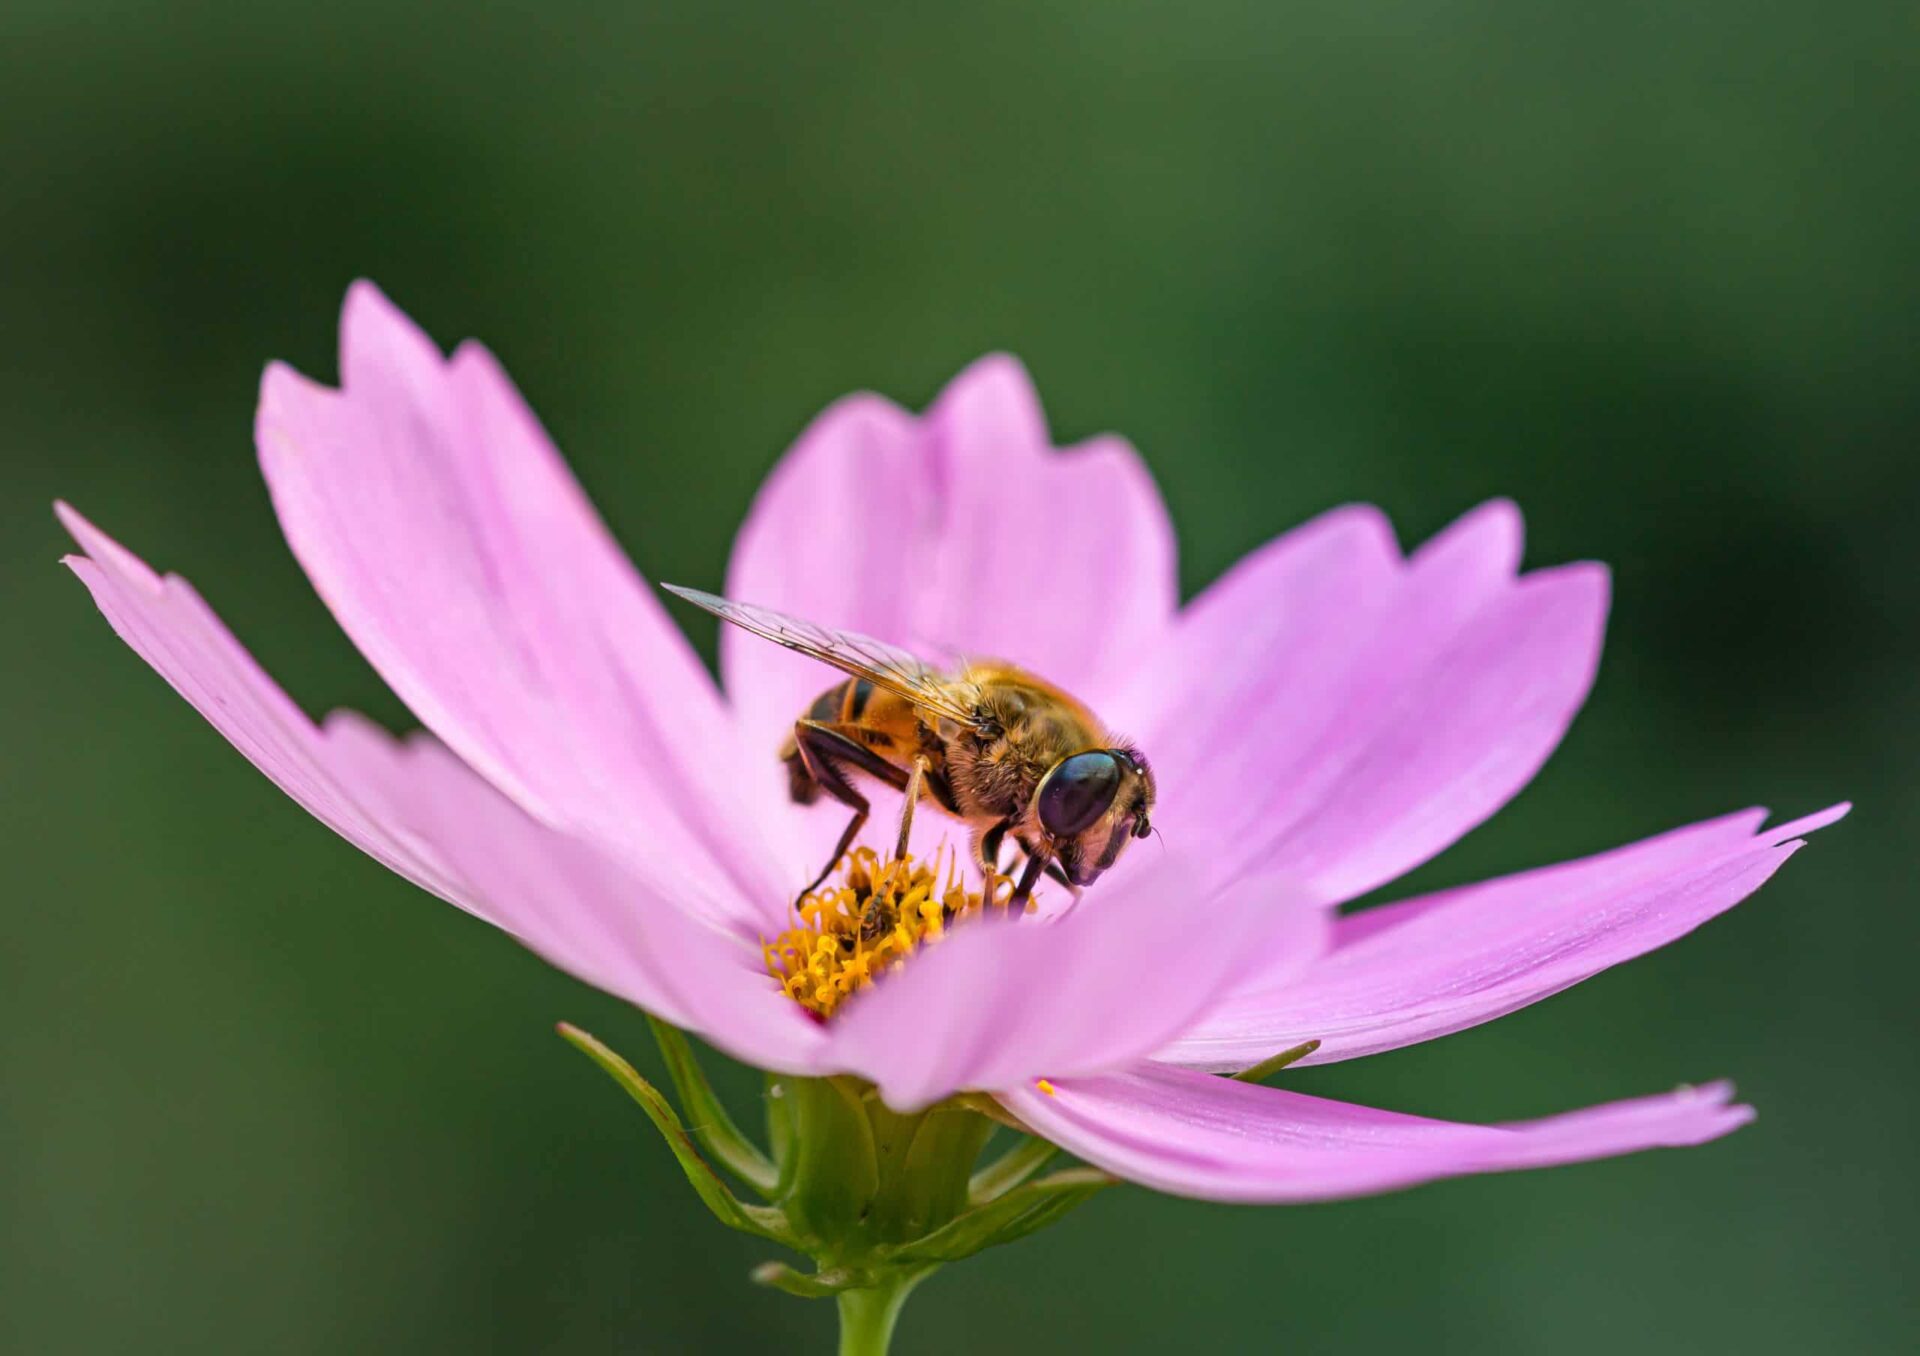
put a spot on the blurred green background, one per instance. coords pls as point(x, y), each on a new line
point(1650, 269)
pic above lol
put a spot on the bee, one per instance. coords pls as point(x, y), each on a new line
point(1002, 750)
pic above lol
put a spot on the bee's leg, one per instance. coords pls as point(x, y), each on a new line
point(986, 847)
point(1052, 868)
point(1023, 891)
point(828, 752)
point(914, 779)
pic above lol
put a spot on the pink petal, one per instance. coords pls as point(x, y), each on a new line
point(427, 816)
point(580, 907)
point(1117, 976)
point(826, 540)
point(1340, 718)
point(1062, 561)
point(1279, 633)
point(960, 532)
point(1434, 965)
point(1193, 1134)
point(168, 625)
point(442, 528)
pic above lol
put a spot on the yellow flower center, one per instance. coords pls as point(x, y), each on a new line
point(846, 935)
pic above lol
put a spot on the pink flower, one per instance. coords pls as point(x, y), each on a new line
point(1325, 717)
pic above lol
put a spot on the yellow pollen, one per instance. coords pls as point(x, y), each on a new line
point(1044, 1086)
point(844, 936)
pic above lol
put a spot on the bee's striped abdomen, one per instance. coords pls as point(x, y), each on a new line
point(842, 703)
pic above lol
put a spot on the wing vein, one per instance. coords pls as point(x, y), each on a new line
point(898, 671)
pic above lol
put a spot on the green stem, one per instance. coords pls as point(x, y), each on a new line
point(867, 1316)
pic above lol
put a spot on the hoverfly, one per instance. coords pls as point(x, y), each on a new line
point(1000, 749)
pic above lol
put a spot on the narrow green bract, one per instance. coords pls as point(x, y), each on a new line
point(878, 1199)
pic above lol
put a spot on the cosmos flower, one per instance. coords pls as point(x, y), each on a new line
point(1328, 715)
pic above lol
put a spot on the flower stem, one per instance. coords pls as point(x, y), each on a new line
point(867, 1316)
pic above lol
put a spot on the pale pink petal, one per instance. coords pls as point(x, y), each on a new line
point(828, 539)
point(1430, 966)
point(960, 532)
point(168, 625)
point(443, 530)
point(581, 908)
point(1278, 636)
point(1376, 711)
point(1437, 762)
point(421, 812)
point(1060, 561)
point(1194, 1134)
point(1115, 977)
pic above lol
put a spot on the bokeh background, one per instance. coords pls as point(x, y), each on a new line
point(1650, 269)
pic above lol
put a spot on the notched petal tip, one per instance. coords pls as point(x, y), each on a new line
point(860, 412)
point(379, 341)
point(472, 355)
point(994, 388)
point(1492, 531)
point(1366, 522)
point(77, 524)
point(281, 383)
point(103, 552)
point(998, 367)
point(364, 298)
point(1196, 1135)
point(1806, 824)
point(1492, 534)
point(1590, 580)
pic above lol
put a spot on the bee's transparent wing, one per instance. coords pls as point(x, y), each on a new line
point(883, 665)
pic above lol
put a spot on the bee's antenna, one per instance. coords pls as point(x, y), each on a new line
point(1154, 829)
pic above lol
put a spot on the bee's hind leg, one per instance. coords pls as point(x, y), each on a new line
point(828, 751)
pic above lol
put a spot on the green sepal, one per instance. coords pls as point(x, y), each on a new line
point(821, 1285)
point(1273, 1064)
point(761, 1220)
point(830, 1174)
point(780, 1126)
point(1012, 1215)
point(1009, 1170)
point(924, 1161)
point(990, 1108)
point(706, 1118)
point(1046, 1213)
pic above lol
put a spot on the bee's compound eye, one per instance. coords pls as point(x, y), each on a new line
point(1077, 792)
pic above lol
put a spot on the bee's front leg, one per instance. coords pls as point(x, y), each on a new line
point(1023, 890)
point(986, 847)
point(986, 855)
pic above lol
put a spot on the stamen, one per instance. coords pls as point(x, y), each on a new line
point(845, 936)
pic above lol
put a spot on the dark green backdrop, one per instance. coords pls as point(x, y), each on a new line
point(1651, 269)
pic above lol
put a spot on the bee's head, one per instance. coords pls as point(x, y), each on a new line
point(1089, 805)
